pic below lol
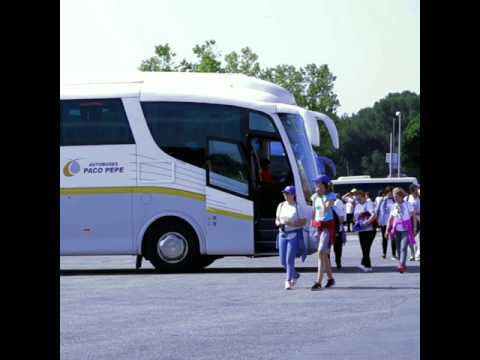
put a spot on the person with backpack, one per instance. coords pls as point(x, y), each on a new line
point(290, 221)
point(323, 202)
point(364, 216)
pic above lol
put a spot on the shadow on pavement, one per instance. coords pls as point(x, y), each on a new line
point(227, 270)
point(371, 288)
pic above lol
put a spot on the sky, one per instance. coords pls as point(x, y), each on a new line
point(371, 46)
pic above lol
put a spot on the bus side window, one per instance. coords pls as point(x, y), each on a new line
point(94, 122)
point(227, 167)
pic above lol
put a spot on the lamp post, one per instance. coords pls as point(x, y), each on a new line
point(393, 143)
point(399, 114)
point(390, 162)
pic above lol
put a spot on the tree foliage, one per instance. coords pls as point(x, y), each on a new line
point(364, 136)
point(311, 85)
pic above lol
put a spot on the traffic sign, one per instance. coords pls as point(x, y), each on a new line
point(393, 157)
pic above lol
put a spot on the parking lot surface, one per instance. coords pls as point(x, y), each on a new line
point(237, 308)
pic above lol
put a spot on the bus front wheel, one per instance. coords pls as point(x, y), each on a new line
point(172, 246)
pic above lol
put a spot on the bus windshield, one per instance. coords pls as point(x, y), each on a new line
point(302, 150)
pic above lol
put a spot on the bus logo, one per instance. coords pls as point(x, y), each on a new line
point(71, 168)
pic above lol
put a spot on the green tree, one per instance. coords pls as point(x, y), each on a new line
point(312, 85)
point(369, 130)
point(364, 136)
point(288, 77)
point(162, 61)
point(411, 147)
point(247, 63)
point(208, 57)
point(318, 83)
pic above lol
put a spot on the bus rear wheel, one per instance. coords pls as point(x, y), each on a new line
point(172, 246)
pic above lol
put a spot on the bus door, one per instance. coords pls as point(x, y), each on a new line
point(271, 173)
point(229, 206)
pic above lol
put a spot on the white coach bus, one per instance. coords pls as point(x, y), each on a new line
point(344, 184)
point(166, 166)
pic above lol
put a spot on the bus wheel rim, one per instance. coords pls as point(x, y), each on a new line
point(172, 247)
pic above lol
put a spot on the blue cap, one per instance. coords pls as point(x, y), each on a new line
point(323, 179)
point(290, 189)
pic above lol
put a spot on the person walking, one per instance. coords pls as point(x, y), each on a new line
point(364, 215)
point(349, 199)
point(290, 221)
point(339, 218)
point(379, 198)
point(323, 201)
point(383, 212)
point(414, 199)
point(368, 196)
point(402, 226)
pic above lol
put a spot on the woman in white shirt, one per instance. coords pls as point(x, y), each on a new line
point(290, 221)
point(414, 200)
point(383, 212)
point(364, 215)
point(402, 226)
point(324, 221)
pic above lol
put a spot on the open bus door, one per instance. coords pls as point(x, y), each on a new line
point(229, 207)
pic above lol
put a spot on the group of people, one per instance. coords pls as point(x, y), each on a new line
point(396, 213)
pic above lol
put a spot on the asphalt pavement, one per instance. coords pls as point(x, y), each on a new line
point(237, 308)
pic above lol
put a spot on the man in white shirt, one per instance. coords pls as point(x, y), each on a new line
point(369, 197)
point(349, 199)
point(379, 198)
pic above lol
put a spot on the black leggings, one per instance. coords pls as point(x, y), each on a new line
point(349, 221)
point(366, 240)
point(337, 248)
point(385, 241)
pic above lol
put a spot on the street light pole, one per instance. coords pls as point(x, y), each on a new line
point(390, 162)
point(393, 142)
point(399, 114)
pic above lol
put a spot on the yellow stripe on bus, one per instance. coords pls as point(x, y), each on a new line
point(135, 190)
point(230, 214)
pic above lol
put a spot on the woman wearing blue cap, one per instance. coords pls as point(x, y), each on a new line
point(290, 221)
point(323, 201)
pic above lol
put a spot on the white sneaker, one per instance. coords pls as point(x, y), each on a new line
point(394, 258)
point(369, 269)
point(417, 259)
point(363, 268)
point(412, 258)
point(288, 286)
